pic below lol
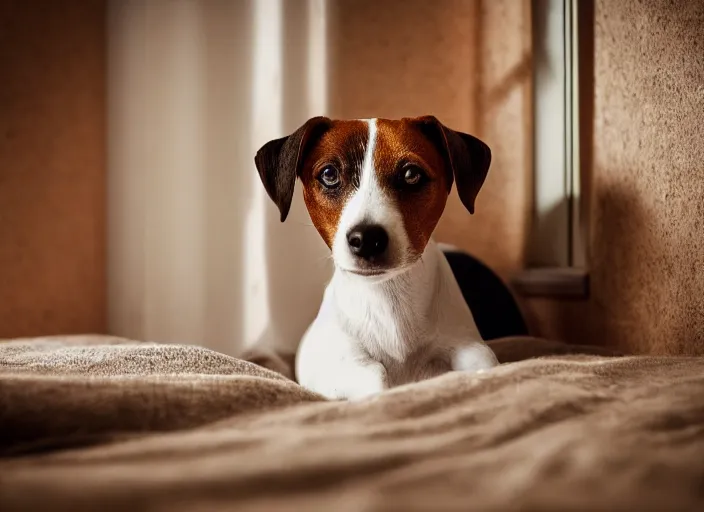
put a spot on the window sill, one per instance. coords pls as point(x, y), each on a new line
point(558, 283)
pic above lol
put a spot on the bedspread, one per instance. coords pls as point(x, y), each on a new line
point(98, 423)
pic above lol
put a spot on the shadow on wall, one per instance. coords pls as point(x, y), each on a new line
point(621, 231)
point(642, 287)
point(635, 284)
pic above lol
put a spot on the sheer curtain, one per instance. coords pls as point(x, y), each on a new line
point(196, 250)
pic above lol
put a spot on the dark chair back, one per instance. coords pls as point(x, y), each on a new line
point(495, 311)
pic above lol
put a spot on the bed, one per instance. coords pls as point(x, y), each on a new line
point(100, 423)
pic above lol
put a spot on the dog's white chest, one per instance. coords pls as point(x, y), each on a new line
point(368, 337)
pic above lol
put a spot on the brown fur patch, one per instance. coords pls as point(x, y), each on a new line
point(401, 142)
point(342, 145)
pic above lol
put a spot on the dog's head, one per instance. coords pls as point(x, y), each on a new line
point(375, 189)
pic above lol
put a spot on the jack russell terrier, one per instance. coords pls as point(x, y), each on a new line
point(375, 189)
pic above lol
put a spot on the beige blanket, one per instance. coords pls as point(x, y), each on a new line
point(138, 426)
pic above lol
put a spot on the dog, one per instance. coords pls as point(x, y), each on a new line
point(375, 189)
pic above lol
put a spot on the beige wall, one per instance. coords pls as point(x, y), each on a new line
point(647, 189)
point(52, 167)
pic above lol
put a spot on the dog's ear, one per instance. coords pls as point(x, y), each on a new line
point(467, 157)
point(279, 162)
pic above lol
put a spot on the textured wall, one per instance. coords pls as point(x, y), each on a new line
point(52, 170)
point(647, 214)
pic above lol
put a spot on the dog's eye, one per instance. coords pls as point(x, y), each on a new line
point(413, 175)
point(329, 177)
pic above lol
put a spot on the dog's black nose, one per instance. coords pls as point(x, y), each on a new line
point(368, 241)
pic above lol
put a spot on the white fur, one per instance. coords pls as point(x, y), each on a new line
point(369, 203)
point(372, 333)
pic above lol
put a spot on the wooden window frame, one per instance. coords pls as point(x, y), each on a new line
point(562, 111)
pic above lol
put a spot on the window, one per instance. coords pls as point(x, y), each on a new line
point(556, 256)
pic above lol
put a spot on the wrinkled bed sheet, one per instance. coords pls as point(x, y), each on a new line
point(97, 423)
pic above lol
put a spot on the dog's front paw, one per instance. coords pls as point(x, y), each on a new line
point(474, 358)
point(346, 381)
point(366, 381)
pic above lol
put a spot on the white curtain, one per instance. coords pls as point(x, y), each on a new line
point(196, 250)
